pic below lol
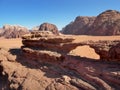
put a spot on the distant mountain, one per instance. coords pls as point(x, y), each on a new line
point(13, 31)
point(106, 23)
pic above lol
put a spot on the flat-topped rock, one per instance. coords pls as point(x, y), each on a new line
point(64, 44)
point(42, 55)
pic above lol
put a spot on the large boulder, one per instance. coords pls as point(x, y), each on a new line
point(14, 31)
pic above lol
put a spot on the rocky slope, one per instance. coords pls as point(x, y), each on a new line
point(44, 63)
point(10, 31)
point(106, 23)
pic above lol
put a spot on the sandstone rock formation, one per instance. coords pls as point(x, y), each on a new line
point(44, 63)
point(107, 23)
point(65, 44)
point(80, 26)
point(10, 31)
point(49, 27)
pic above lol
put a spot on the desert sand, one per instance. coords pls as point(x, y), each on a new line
point(83, 51)
point(10, 43)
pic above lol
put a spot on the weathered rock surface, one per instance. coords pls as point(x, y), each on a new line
point(49, 27)
point(65, 44)
point(43, 63)
point(80, 26)
point(10, 31)
point(107, 23)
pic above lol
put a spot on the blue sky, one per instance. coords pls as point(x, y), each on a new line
point(30, 13)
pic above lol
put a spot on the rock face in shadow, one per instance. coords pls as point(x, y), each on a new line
point(43, 63)
point(10, 31)
point(105, 24)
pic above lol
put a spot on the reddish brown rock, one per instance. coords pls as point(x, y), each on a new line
point(105, 24)
point(64, 44)
point(49, 27)
point(95, 74)
point(43, 63)
point(80, 26)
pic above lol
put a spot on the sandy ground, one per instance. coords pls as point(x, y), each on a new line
point(10, 43)
point(83, 51)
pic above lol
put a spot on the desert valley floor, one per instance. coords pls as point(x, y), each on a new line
point(80, 50)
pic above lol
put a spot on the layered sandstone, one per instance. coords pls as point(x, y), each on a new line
point(65, 44)
point(44, 63)
point(54, 50)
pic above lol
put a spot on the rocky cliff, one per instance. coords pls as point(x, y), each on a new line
point(80, 26)
point(106, 23)
point(13, 31)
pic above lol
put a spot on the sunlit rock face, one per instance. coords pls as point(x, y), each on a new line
point(105, 24)
point(13, 31)
point(49, 27)
point(43, 63)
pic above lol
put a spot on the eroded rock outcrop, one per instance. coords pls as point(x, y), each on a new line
point(105, 24)
point(14, 31)
point(80, 26)
point(49, 27)
point(44, 63)
point(64, 44)
point(53, 50)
